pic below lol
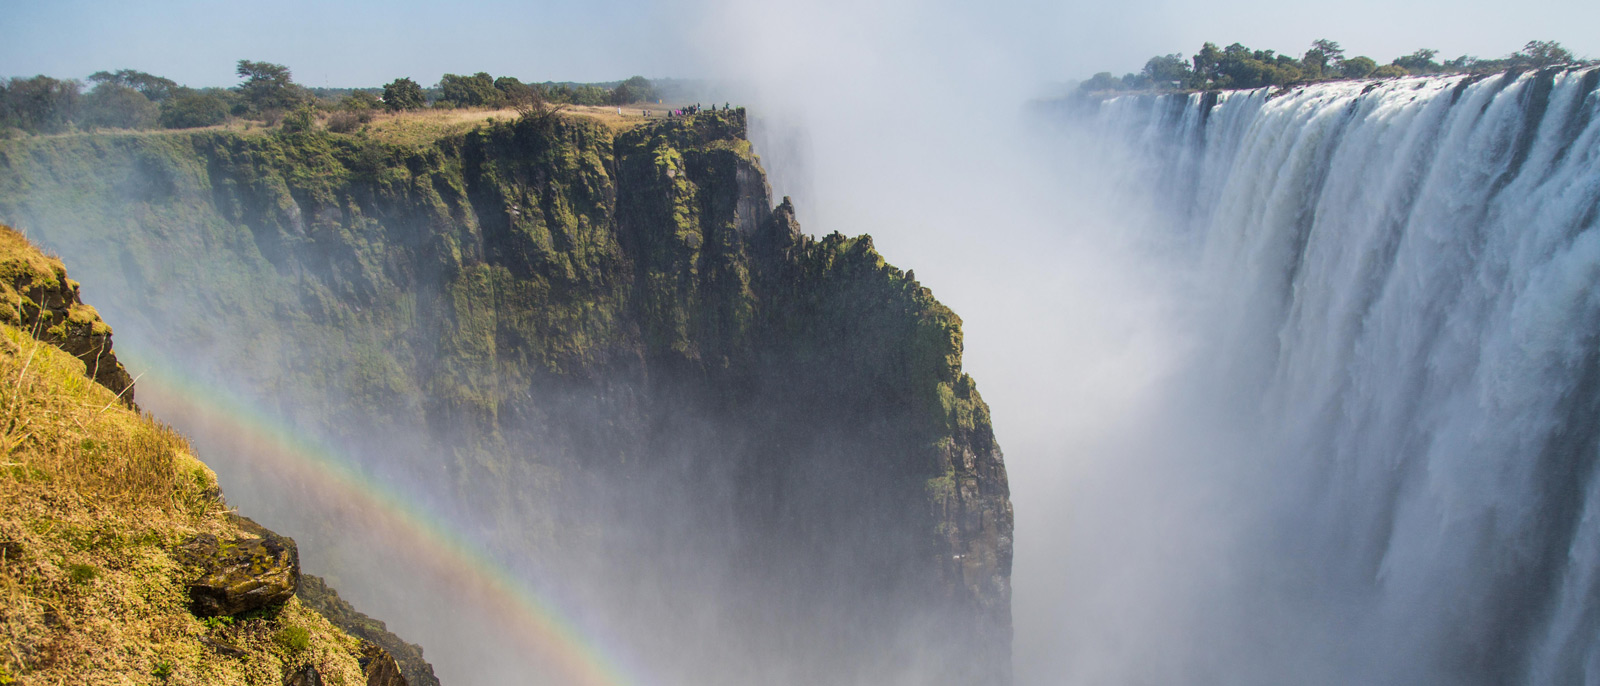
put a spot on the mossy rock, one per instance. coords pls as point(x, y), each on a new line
point(258, 570)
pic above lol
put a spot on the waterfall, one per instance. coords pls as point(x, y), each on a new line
point(1399, 283)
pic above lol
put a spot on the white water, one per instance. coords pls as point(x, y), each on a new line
point(1378, 465)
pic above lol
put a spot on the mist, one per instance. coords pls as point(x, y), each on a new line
point(1169, 471)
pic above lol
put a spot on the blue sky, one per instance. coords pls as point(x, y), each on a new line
point(368, 43)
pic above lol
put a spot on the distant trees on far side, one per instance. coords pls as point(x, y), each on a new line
point(1237, 66)
point(130, 99)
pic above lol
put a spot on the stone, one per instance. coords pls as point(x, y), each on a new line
point(255, 570)
point(379, 666)
point(304, 676)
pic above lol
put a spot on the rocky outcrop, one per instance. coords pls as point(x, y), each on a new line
point(256, 570)
point(380, 667)
point(385, 648)
point(37, 296)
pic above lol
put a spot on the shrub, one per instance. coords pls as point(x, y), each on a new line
point(346, 122)
point(82, 573)
point(115, 106)
point(191, 109)
point(301, 119)
point(292, 638)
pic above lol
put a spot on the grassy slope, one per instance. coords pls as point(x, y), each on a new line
point(94, 497)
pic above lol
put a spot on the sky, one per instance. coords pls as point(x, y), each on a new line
point(367, 43)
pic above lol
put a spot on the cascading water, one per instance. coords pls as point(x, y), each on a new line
point(1398, 289)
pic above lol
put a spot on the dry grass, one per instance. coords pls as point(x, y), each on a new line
point(94, 497)
point(423, 127)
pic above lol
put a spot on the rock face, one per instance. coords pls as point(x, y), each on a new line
point(37, 296)
point(384, 648)
point(603, 348)
point(258, 570)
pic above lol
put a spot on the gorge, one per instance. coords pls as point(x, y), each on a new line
point(604, 363)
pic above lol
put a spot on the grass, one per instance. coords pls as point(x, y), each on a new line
point(94, 497)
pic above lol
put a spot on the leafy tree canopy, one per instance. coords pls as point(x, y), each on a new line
point(268, 87)
point(156, 88)
point(403, 94)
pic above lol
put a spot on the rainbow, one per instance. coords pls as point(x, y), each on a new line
point(535, 621)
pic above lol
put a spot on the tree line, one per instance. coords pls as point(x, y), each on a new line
point(1237, 66)
point(267, 93)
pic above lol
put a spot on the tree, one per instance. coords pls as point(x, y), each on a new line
point(1419, 62)
point(1206, 64)
point(40, 104)
point(1323, 54)
point(268, 87)
point(1100, 82)
point(1357, 67)
point(359, 101)
point(635, 89)
point(156, 88)
point(1388, 71)
point(1168, 71)
point(188, 108)
point(511, 91)
point(112, 105)
point(402, 94)
point(1539, 53)
point(468, 91)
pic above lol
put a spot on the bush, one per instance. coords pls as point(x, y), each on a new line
point(114, 106)
point(301, 119)
point(292, 638)
point(346, 122)
point(1357, 67)
point(192, 109)
point(359, 101)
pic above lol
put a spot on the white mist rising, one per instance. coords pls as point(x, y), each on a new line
point(1291, 390)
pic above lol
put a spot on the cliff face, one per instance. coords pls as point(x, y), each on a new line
point(119, 561)
point(607, 344)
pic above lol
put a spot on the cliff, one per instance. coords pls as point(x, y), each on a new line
point(119, 561)
point(608, 344)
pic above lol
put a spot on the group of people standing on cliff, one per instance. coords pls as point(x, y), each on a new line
point(689, 110)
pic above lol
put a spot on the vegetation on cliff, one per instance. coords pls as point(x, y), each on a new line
point(1236, 66)
point(101, 507)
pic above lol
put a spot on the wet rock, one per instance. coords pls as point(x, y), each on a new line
point(254, 570)
point(379, 666)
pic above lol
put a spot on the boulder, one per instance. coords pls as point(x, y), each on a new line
point(253, 570)
point(379, 666)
